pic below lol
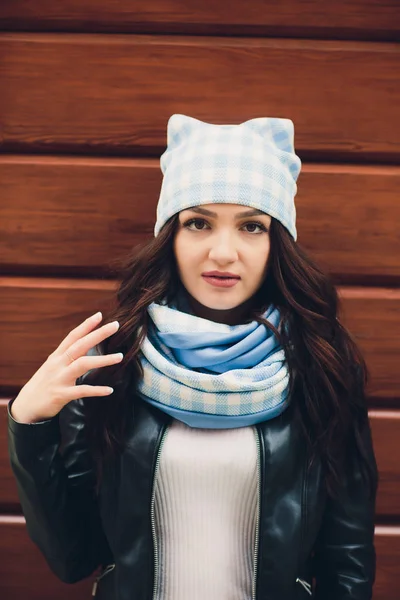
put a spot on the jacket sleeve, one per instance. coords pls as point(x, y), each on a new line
point(56, 491)
point(344, 554)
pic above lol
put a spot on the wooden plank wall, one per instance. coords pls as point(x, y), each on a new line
point(87, 88)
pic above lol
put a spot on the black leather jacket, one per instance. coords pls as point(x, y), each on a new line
point(301, 533)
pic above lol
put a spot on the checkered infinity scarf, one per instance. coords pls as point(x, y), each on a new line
point(212, 375)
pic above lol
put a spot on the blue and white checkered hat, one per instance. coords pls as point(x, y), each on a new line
point(253, 164)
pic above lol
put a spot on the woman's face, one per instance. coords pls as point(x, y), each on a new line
point(220, 237)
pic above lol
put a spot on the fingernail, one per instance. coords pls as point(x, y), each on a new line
point(97, 315)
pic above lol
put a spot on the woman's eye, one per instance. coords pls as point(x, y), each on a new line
point(259, 225)
point(193, 221)
point(202, 221)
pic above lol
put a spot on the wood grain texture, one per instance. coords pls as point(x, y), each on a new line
point(372, 316)
point(387, 544)
point(385, 427)
point(354, 19)
point(24, 572)
point(52, 308)
point(114, 93)
point(66, 215)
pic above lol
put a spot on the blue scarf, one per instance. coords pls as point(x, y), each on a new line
point(211, 375)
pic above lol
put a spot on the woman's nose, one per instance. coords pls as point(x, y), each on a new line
point(223, 248)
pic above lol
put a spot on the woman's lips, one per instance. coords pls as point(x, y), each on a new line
point(220, 281)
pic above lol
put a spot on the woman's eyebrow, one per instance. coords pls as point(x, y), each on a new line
point(209, 213)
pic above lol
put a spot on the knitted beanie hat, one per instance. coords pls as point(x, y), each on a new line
point(252, 164)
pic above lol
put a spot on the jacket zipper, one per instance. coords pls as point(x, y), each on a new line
point(258, 512)
point(305, 584)
point(257, 521)
point(153, 527)
point(96, 581)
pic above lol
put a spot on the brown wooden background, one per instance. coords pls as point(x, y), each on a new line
point(87, 88)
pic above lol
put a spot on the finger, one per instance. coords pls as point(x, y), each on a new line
point(87, 391)
point(78, 332)
point(83, 345)
point(85, 363)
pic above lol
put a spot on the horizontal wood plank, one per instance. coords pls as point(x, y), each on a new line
point(387, 544)
point(354, 19)
point(372, 316)
point(52, 308)
point(24, 572)
point(113, 94)
point(385, 427)
point(71, 215)
point(19, 554)
point(75, 214)
point(9, 501)
point(36, 314)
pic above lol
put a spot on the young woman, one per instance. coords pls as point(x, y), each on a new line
point(234, 459)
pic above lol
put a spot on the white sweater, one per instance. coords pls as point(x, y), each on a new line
point(205, 508)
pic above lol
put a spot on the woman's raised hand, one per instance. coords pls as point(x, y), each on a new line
point(53, 384)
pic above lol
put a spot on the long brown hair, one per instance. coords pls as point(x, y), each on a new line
point(328, 373)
